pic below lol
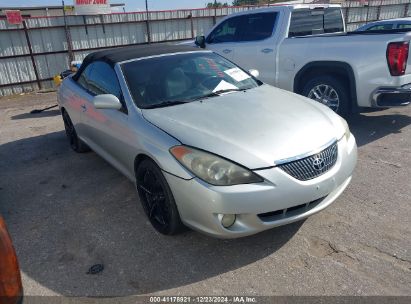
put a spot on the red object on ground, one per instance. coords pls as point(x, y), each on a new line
point(11, 289)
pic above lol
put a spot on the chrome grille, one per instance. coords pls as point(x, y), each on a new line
point(314, 165)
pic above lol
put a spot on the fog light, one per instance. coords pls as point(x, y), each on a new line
point(228, 220)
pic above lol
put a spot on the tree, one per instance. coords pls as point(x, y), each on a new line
point(216, 4)
point(256, 2)
point(246, 2)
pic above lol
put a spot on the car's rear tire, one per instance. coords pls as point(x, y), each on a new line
point(75, 143)
point(330, 91)
point(157, 199)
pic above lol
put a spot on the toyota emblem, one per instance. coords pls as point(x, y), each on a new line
point(318, 163)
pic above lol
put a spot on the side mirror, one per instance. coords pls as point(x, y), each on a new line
point(106, 101)
point(200, 42)
point(254, 72)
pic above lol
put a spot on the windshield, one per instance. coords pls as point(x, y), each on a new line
point(173, 79)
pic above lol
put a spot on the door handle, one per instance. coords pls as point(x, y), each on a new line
point(266, 51)
point(83, 106)
point(227, 51)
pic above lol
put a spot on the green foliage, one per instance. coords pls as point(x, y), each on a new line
point(216, 4)
point(246, 2)
point(256, 2)
point(243, 2)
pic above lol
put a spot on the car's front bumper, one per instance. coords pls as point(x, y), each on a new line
point(264, 205)
point(386, 97)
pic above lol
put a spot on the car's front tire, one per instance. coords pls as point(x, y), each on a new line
point(157, 199)
point(75, 143)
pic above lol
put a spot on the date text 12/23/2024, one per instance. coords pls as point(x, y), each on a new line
point(203, 299)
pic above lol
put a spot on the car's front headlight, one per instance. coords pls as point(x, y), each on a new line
point(212, 168)
point(347, 132)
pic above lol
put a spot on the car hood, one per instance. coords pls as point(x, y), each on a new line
point(255, 128)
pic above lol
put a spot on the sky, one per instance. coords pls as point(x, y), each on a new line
point(131, 5)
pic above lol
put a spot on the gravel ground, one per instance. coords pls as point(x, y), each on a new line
point(68, 211)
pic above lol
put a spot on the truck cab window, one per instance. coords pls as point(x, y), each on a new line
point(306, 22)
point(256, 27)
point(226, 31)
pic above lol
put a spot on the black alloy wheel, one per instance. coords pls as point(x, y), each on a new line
point(157, 199)
point(75, 143)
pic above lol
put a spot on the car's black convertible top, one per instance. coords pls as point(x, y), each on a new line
point(115, 55)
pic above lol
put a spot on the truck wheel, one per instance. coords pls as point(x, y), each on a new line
point(75, 143)
point(329, 91)
point(157, 199)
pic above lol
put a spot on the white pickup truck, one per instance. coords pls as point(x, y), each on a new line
point(305, 49)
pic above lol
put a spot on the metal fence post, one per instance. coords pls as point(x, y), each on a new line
point(102, 23)
point(347, 11)
point(192, 24)
point(368, 13)
point(379, 11)
point(68, 37)
point(33, 62)
point(148, 24)
point(406, 7)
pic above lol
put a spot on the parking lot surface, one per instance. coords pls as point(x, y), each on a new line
point(67, 212)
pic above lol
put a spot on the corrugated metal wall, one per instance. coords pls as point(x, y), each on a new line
point(31, 54)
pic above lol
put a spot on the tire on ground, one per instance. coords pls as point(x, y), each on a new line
point(75, 143)
point(337, 84)
point(174, 224)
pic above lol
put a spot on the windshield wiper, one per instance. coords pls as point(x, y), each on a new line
point(219, 92)
point(177, 102)
point(216, 93)
point(166, 104)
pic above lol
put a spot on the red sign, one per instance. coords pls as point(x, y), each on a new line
point(14, 17)
point(90, 2)
point(91, 7)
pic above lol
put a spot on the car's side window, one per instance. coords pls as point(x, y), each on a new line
point(227, 31)
point(100, 78)
point(83, 80)
point(381, 27)
point(404, 26)
point(256, 27)
point(103, 80)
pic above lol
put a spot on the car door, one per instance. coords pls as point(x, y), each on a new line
point(223, 39)
point(256, 44)
point(82, 98)
point(107, 130)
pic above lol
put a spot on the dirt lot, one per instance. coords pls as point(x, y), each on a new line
point(68, 211)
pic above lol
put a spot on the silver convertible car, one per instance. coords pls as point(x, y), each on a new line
point(207, 144)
